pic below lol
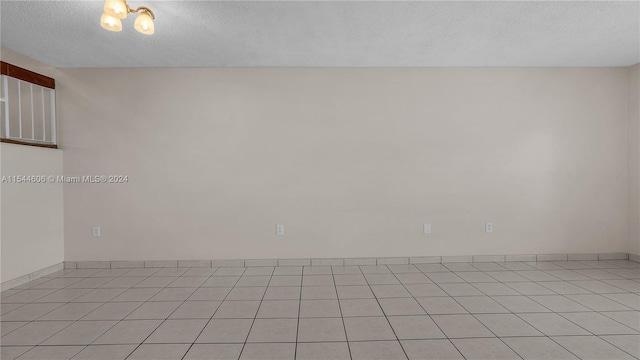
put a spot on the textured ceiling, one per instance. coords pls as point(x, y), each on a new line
point(329, 34)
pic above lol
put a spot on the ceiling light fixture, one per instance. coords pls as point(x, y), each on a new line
point(116, 10)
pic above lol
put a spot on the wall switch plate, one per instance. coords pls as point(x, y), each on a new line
point(96, 231)
point(488, 227)
point(426, 228)
point(280, 229)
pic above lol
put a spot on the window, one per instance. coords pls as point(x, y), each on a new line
point(27, 107)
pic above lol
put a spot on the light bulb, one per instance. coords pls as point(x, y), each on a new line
point(110, 23)
point(144, 24)
point(116, 8)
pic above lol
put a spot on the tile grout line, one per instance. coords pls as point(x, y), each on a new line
point(257, 310)
point(594, 334)
point(425, 310)
point(592, 310)
point(335, 286)
point(511, 312)
point(559, 280)
point(54, 290)
point(295, 354)
point(531, 297)
point(214, 313)
point(384, 312)
point(485, 326)
point(168, 316)
point(134, 310)
point(559, 314)
point(63, 304)
point(516, 314)
point(129, 313)
point(116, 322)
point(601, 337)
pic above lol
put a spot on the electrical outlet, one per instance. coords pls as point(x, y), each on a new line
point(280, 229)
point(96, 231)
point(488, 227)
point(426, 228)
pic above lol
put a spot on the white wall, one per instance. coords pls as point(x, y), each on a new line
point(31, 215)
point(634, 159)
point(352, 161)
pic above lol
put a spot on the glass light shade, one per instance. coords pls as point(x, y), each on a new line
point(110, 23)
point(116, 8)
point(144, 24)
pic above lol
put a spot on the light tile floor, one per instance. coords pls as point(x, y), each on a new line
point(513, 310)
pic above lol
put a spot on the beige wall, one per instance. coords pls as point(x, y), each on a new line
point(31, 215)
point(634, 159)
point(26, 62)
point(351, 161)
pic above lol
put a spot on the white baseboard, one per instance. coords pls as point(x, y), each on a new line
point(30, 277)
point(340, 261)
